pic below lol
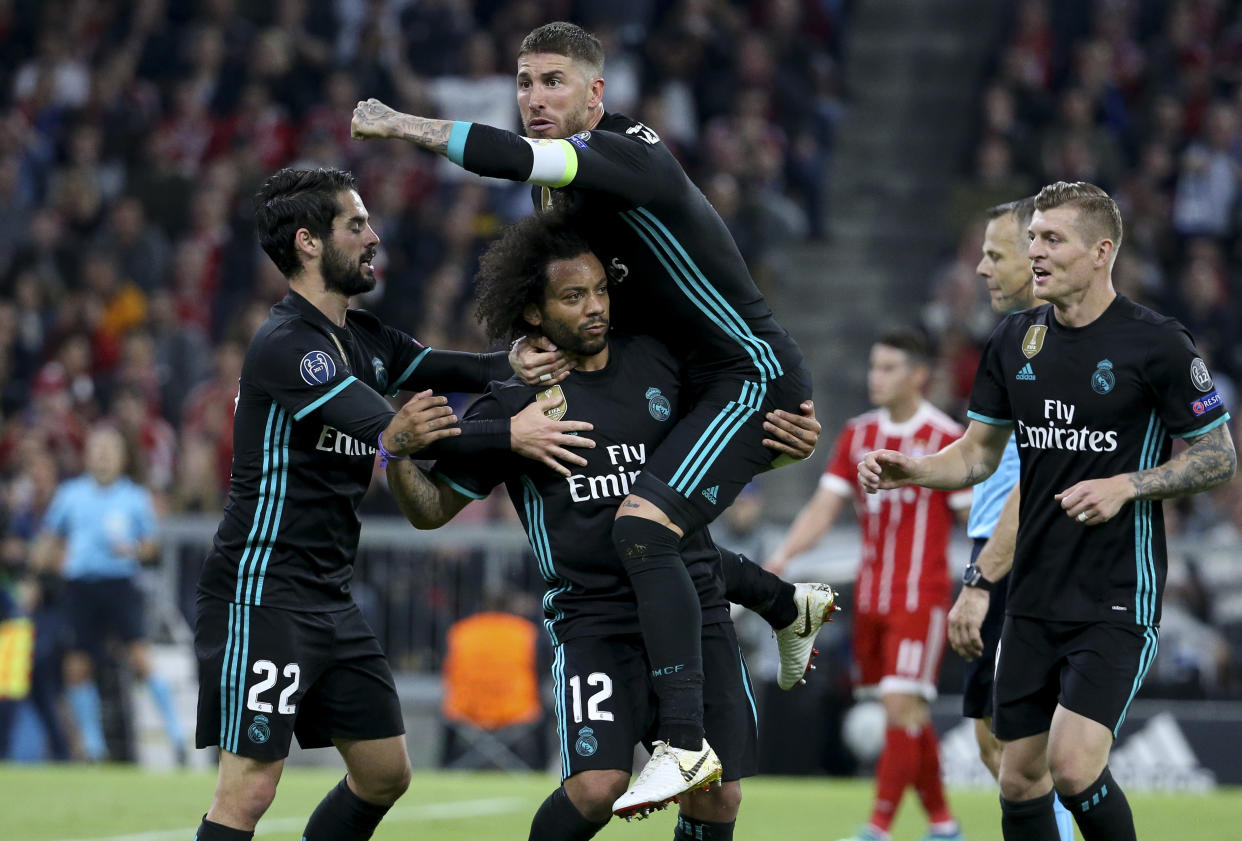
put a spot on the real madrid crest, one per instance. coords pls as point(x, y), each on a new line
point(658, 405)
point(1033, 341)
point(586, 744)
point(558, 411)
point(1103, 380)
point(259, 731)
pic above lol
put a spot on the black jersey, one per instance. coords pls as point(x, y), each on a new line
point(633, 403)
point(307, 418)
point(1088, 403)
point(673, 265)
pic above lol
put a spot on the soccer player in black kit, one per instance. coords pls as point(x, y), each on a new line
point(1096, 388)
point(541, 277)
point(678, 276)
point(282, 648)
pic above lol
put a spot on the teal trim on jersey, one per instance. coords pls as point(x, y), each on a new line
point(1151, 644)
point(716, 437)
point(562, 711)
point(253, 564)
point(233, 677)
point(410, 370)
point(283, 482)
point(989, 421)
point(690, 280)
point(457, 142)
point(537, 533)
point(457, 487)
point(333, 393)
point(750, 692)
point(1203, 430)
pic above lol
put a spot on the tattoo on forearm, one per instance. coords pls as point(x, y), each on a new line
point(1209, 461)
point(416, 495)
point(430, 134)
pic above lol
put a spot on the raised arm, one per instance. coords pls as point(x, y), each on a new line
point(965, 462)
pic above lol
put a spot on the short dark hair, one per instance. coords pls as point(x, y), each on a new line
point(913, 343)
point(513, 271)
point(1098, 215)
point(567, 39)
point(297, 198)
point(1021, 210)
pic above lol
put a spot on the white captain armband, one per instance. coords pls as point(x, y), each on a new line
point(555, 162)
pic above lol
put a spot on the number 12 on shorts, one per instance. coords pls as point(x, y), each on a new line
point(594, 713)
point(270, 670)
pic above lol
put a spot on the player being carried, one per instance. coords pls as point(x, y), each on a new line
point(678, 276)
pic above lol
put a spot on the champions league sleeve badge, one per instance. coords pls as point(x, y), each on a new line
point(1103, 380)
point(1199, 375)
point(317, 368)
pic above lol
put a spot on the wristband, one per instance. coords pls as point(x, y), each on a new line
point(386, 456)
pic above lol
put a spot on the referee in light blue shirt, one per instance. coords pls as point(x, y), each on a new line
point(1006, 270)
point(98, 530)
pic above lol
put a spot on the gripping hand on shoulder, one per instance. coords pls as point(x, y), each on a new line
point(534, 435)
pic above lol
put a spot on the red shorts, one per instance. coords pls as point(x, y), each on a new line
point(900, 652)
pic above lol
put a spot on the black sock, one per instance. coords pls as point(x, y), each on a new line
point(690, 829)
point(1101, 810)
point(343, 816)
point(209, 831)
point(558, 819)
point(672, 625)
point(1029, 820)
point(753, 587)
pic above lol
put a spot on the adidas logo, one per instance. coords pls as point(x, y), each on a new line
point(1026, 374)
point(710, 493)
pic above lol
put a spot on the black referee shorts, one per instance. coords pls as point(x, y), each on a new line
point(717, 448)
point(605, 703)
point(1092, 668)
point(265, 674)
point(977, 684)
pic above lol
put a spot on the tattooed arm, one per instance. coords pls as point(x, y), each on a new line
point(373, 120)
point(427, 503)
point(1209, 461)
point(965, 462)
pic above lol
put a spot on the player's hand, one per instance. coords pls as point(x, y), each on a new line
point(424, 419)
point(537, 361)
point(794, 436)
point(1095, 501)
point(534, 435)
point(966, 622)
point(883, 470)
point(373, 120)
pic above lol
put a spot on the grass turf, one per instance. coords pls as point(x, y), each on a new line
point(77, 803)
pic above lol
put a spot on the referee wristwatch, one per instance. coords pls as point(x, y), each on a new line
point(973, 577)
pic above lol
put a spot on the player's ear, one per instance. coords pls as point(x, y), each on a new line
point(1104, 252)
point(595, 91)
point(306, 243)
point(531, 314)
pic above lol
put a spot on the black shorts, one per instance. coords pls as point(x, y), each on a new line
point(101, 609)
point(1092, 668)
point(605, 703)
point(265, 674)
point(717, 448)
point(977, 683)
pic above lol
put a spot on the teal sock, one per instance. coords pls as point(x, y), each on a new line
point(162, 693)
point(84, 701)
point(1065, 821)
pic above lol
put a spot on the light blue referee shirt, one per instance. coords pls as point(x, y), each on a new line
point(94, 519)
point(990, 494)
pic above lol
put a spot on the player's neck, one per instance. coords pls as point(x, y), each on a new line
point(1080, 309)
point(594, 362)
point(331, 304)
point(904, 409)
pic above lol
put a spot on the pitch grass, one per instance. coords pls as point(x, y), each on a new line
point(75, 803)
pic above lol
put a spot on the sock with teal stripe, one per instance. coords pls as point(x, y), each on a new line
point(1101, 810)
point(343, 816)
point(671, 620)
point(210, 831)
point(84, 701)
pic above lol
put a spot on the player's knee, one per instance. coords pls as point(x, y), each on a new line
point(594, 792)
point(241, 802)
point(641, 542)
point(384, 783)
point(1071, 774)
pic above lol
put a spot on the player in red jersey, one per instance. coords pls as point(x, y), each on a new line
point(903, 588)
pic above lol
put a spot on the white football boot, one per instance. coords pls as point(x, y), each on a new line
point(668, 774)
point(796, 641)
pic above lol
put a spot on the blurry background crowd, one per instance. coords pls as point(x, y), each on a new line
point(133, 133)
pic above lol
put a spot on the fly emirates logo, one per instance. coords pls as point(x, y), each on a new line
point(1058, 432)
point(627, 462)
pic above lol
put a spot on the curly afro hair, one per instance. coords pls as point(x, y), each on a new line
point(513, 271)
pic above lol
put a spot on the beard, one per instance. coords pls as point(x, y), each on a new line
point(569, 339)
point(343, 276)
